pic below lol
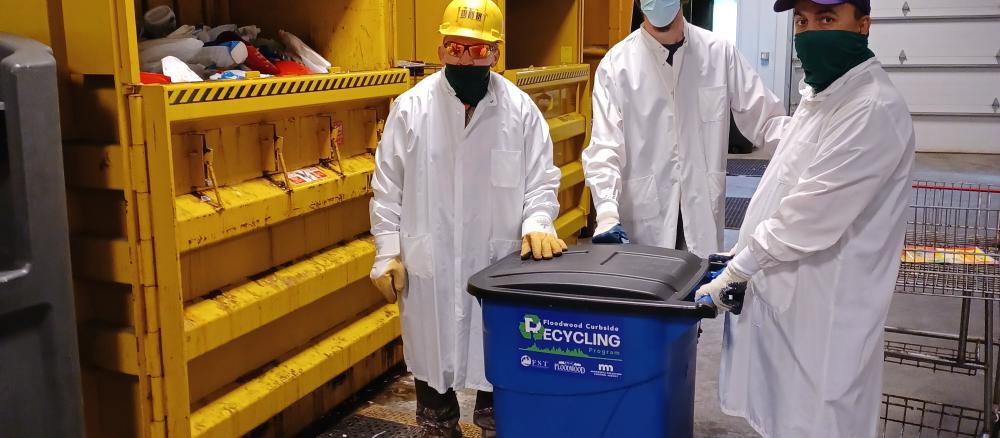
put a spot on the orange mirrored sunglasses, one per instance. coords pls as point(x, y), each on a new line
point(476, 51)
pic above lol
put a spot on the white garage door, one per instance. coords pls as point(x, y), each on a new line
point(944, 56)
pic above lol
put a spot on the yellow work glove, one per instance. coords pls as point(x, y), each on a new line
point(542, 246)
point(392, 280)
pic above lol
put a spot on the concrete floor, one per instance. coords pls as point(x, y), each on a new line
point(926, 313)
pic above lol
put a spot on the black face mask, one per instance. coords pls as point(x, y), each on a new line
point(469, 81)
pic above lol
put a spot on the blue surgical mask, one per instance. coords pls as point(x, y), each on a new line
point(660, 12)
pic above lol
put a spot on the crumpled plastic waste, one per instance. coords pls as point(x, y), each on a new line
point(222, 55)
point(158, 22)
point(230, 75)
point(208, 35)
point(179, 71)
point(249, 33)
point(186, 53)
point(255, 60)
point(151, 52)
point(271, 49)
point(184, 31)
point(298, 51)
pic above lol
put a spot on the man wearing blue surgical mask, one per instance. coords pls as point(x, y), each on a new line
point(820, 244)
point(662, 101)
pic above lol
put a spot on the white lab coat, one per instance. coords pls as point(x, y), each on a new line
point(661, 135)
point(826, 226)
point(452, 200)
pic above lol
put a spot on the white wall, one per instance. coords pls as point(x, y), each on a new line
point(760, 30)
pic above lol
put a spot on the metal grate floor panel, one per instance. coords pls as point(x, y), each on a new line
point(736, 210)
point(744, 167)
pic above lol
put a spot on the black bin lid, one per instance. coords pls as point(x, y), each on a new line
point(632, 278)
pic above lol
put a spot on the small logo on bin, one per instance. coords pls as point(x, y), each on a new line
point(570, 367)
point(526, 361)
point(605, 368)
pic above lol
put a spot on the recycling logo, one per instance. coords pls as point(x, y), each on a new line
point(531, 328)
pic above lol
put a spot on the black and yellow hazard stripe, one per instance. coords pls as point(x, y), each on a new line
point(226, 90)
point(538, 77)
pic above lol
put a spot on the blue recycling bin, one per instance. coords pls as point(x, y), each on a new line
point(600, 342)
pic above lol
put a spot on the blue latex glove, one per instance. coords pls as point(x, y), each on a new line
point(615, 235)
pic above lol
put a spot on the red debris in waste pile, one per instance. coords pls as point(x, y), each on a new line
point(291, 68)
point(153, 78)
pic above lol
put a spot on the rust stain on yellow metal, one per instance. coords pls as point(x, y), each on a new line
point(214, 322)
point(259, 204)
point(239, 411)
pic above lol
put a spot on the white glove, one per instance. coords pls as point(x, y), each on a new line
point(729, 279)
point(606, 221)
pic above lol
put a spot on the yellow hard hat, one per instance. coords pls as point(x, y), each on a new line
point(479, 19)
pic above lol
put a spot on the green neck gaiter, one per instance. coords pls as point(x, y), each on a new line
point(827, 54)
point(469, 81)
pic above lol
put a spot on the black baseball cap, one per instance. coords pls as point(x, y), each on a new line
point(863, 5)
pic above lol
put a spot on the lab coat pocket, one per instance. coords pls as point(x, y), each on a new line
point(418, 255)
point(506, 169)
point(640, 198)
point(500, 248)
point(712, 103)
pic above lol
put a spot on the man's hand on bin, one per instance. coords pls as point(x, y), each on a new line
point(609, 230)
point(389, 278)
point(541, 246)
point(726, 291)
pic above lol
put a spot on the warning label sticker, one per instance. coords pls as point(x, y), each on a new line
point(306, 176)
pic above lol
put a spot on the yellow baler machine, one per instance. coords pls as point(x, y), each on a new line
point(220, 230)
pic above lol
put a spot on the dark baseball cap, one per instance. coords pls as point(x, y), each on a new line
point(863, 5)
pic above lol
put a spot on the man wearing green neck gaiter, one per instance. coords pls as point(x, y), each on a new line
point(819, 249)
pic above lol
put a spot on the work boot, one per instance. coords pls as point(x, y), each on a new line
point(483, 415)
point(437, 414)
point(436, 431)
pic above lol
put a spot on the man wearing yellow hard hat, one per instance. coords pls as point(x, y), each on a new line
point(464, 176)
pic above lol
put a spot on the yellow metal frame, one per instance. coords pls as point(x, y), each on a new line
point(565, 127)
point(186, 333)
point(145, 337)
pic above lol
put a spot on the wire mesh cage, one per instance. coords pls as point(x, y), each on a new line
point(952, 243)
point(907, 417)
point(934, 358)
